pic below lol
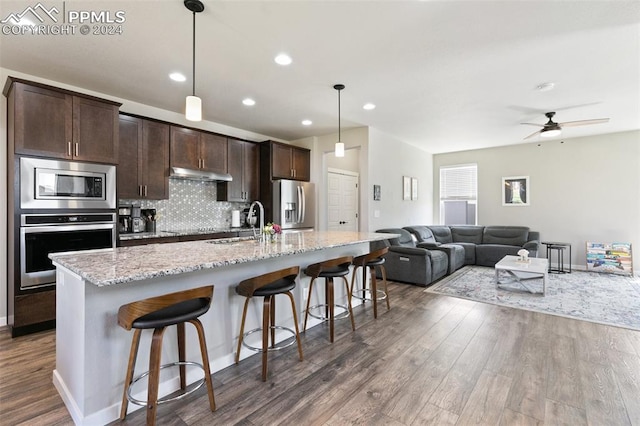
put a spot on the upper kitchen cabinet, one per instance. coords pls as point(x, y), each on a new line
point(244, 167)
point(56, 123)
point(143, 171)
point(192, 149)
point(285, 161)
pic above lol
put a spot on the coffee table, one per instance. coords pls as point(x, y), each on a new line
point(520, 271)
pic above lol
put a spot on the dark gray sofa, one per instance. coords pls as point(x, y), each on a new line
point(425, 239)
point(410, 264)
point(486, 245)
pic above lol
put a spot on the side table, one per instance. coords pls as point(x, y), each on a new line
point(558, 248)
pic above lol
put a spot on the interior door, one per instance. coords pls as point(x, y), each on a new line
point(342, 202)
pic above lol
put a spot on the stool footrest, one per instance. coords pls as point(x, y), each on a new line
point(271, 348)
point(197, 386)
point(379, 292)
point(341, 315)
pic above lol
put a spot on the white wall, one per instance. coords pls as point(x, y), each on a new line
point(390, 160)
point(584, 189)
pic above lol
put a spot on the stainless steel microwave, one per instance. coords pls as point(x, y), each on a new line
point(58, 184)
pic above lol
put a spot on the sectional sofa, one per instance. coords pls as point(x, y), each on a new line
point(451, 247)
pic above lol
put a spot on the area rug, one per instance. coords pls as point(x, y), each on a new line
point(601, 298)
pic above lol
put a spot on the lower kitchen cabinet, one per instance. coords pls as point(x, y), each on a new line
point(143, 170)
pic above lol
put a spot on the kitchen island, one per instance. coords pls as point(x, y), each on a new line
point(92, 350)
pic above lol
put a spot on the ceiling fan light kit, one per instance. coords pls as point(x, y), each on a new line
point(339, 148)
point(193, 106)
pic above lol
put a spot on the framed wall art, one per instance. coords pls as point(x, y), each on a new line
point(516, 191)
point(414, 188)
point(406, 188)
point(376, 192)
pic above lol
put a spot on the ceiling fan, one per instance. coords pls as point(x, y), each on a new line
point(551, 128)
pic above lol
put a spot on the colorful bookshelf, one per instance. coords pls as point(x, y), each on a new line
point(611, 258)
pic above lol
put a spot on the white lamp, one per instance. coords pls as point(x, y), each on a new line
point(193, 106)
point(193, 110)
point(339, 148)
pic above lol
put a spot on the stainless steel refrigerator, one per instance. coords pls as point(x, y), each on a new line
point(294, 205)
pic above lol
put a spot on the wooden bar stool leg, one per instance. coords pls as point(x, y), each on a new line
point(205, 362)
point(353, 279)
point(384, 282)
point(154, 375)
point(241, 337)
point(133, 355)
point(295, 323)
point(273, 320)
point(266, 303)
point(349, 294)
point(182, 355)
point(330, 307)
point(374, 291)
point(306, 311)
point(364, 284)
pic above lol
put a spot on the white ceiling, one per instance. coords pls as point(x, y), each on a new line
point(445, 75)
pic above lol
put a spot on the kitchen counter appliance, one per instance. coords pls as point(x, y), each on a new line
point(294, 204)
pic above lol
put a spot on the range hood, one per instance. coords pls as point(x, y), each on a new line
point(193, 174)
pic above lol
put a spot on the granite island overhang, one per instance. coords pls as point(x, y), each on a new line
point(92, 350)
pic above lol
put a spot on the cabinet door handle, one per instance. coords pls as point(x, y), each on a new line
point(69, 148)
point(145, 190)
point(203, 163)
point(77, 149)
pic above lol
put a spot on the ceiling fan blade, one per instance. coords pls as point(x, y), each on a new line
point(537, 132)
point(584, 122)
point(534, 124)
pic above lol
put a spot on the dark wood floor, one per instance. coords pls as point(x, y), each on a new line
point(430, 360)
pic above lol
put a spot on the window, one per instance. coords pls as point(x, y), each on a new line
point(459, 194)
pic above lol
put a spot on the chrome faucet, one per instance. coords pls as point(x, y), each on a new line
point(260, 236)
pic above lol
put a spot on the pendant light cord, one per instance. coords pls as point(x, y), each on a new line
point(339, 138)
point(194, 55)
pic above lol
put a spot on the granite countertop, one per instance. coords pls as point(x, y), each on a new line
point(126, 264)
point(179, 233)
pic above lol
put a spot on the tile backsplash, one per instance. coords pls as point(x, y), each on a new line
point(191, 205)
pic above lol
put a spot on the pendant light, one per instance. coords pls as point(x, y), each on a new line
point(339, 145)
point(193, 110)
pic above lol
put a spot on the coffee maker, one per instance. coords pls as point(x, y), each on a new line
point(124, 219)
point(137, 222)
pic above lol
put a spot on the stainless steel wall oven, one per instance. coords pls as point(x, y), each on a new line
point(41, 234)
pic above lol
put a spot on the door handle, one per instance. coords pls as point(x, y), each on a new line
point(69, 148)
point(77, 149)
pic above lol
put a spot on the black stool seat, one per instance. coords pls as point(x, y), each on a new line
point(180, 312)
point(276, 287)
point(333, 272)
point(375, 262)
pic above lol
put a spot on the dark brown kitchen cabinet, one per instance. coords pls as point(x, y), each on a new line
point(191, 149)
point(243, 162)
point(143, 171)
point(56, 123)
point(286, 161)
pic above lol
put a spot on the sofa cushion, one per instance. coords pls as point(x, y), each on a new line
point(404, 240)
point(442, 234)
point(422, 233)
point(506, 235)
point(467, 234)
point(490, 254)
point(469, 253)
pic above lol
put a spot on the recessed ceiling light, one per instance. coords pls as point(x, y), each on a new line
point(176, 76)
point(369, 106)
point(283, 59)
point(545, 87)
point(307, 122)
point(248, 102)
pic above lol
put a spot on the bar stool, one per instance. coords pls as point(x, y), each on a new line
point(268, 286)
point(157, 313)
point(371, 261)
point(330, 269)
